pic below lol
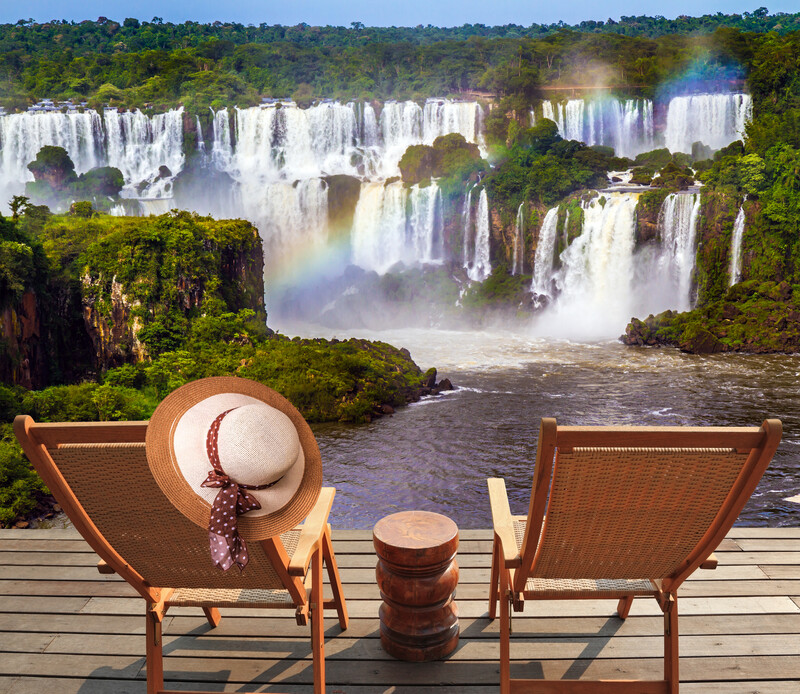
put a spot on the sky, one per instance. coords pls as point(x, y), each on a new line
point(376, 13)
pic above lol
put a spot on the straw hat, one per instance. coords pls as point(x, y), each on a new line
point(261, 439)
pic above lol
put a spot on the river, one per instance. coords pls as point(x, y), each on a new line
point(437, 453)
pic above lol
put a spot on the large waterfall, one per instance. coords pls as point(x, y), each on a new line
point(138, 145)
point(594, 283)
point(677, 224)
point(716, 120)
point(135, 143)
point(544, 256)
point(395, 225)
point(481, 266)
point(735, 272)
point(626, 125)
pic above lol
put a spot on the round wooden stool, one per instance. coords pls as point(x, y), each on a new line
point(417, 574)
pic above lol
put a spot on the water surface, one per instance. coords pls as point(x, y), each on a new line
point(436, 454)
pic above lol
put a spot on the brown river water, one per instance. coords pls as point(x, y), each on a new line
point(436, 454)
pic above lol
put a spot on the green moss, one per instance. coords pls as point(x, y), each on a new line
point(753, 317)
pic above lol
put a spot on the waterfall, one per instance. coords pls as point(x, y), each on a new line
point(22, 135)
point(138, 145)
point(545, 252)
point(395, 225)
point(626, 125)
point(716, 120)
point(532, 114)
point(677, 224)
point(292, 218)
point(221, 147)
point(467, 248)
point(595, 278)
point(481, 266)
point(555, 114)
point(518, 248)
point(736, 248)
point(201, 143)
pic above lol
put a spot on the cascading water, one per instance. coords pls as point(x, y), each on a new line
point(138, 145)
point(716, 120)
point(735, 271)
point(677, 224)
point(626, 125)
point(22, 135)
point(221, 148)
point(201, 143)
point(519, 241)
point(594, 282)
point(545, 254)
point(393, 225)
point(481, 266)
point(467, 247)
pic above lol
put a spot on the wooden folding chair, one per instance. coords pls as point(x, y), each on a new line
point(619, 512)
point(99, 474)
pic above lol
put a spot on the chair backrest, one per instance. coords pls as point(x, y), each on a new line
point(638, 502)
point(99, 474)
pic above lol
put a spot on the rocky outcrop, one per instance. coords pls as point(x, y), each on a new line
point(753, 317)
point(647, 213)
point(22, 361)
point(111, 325)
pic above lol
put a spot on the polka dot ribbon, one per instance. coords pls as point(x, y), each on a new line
point(227, 548)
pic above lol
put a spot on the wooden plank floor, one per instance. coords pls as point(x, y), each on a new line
point(65, 628)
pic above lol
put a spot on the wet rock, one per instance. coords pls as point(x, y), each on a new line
point(430, 378)
point(387, 409)
point(445, 384)
point(697, 340)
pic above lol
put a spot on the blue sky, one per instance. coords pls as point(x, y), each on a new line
point(375, 12)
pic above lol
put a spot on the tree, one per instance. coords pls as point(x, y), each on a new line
point(18, 204)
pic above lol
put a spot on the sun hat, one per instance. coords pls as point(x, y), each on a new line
point(236, 458)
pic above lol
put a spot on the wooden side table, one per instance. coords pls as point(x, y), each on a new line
point(417, 575)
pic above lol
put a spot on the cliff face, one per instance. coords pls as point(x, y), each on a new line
point(113, 282)
point(22, 362)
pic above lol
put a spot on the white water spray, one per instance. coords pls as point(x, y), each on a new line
point(545, 253)
point(481, 265)
point(716, 120)
point(735, 271)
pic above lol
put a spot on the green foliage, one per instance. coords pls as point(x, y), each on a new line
point(53, 165)
point(752, 316)
point(451, 158)
point(81, 209)
point(19, 484)
point(202, 65)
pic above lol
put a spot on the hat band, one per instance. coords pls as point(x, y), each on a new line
point(227, 547)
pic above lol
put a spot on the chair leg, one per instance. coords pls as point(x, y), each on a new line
point(494, 579)
point(317, 623)
point(671, 674)
point(335, 579)
point(153, 655)
point(624, 606)
point(212, 615)
point(505, 635)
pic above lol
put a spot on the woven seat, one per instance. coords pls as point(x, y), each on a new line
point(99, 474)
point(620, 512)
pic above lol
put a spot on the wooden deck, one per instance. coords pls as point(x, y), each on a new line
point(65, 628)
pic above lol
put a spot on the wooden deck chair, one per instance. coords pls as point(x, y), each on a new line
point(619, 512)
point(99, 474)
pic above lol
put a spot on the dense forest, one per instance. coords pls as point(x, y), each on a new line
point(135, 64)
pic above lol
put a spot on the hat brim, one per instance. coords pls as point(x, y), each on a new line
point(279, 513)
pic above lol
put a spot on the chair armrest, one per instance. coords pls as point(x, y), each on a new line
point(311, 532)
point(502, 522)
